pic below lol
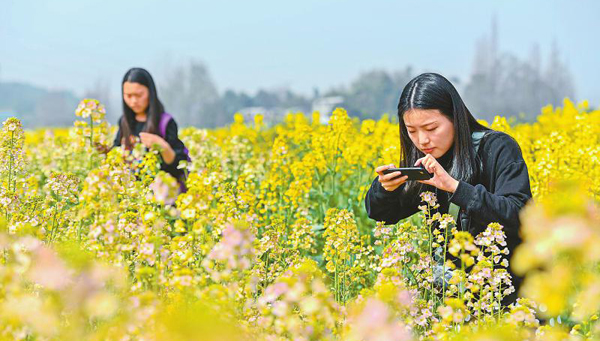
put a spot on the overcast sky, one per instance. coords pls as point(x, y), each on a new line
point(247, 45)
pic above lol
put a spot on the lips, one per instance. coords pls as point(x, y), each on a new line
point(428, 151)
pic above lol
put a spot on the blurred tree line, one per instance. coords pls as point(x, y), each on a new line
point(500, 84)
point(36, 106)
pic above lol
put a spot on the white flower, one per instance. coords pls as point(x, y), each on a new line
point(188, 214)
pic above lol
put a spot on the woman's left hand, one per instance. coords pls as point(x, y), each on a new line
point(149, 139)
point(441, 179)
point(167, 153)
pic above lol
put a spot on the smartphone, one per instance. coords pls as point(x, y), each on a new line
point(414, 173)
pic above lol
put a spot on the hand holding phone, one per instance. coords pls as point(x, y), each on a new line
point(413, 173)
point(389, 180)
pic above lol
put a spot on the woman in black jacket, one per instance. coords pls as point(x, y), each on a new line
point(480, 170)
point(144, 117)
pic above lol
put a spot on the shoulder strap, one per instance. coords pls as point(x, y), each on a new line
point(162, 125)
point(476, 138)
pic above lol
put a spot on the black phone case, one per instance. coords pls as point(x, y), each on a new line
point(414, 173)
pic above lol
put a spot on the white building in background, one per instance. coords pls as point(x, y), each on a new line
point(270, 116)
point(249, 113)
point(326, 105)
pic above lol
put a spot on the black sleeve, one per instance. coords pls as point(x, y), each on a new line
point(389, 207)
point(512, 189)
point(172, 138)
point(117, 141)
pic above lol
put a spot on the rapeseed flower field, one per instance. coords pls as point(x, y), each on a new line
point(271, 240)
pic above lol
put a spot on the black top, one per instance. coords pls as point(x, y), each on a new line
point(172, 137)
point(497, 195)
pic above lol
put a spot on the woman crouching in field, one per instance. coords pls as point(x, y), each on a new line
point(144, 117)
point(480, 170)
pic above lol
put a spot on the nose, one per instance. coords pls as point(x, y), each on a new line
point(423, 139)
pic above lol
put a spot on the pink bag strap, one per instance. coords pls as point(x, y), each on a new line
point(162, 125)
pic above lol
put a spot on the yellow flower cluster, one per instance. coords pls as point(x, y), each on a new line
point(271, 241)
point(560, 255)
point(93, 126)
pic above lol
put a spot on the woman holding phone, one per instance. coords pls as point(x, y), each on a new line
point(480, 170)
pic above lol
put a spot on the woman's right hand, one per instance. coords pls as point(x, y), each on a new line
point(391, 181)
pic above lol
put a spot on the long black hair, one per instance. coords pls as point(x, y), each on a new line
point(153, 112)
point(433, 91)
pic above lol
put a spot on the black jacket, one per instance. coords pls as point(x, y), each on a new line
point(172, 137)
point(497, 195)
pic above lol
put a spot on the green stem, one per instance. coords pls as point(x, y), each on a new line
point(479, 310)
point(53, 225)
point(266, 271)
point(10, 164)
point(499, 302)
point(322, 194)
point(335, 283)
point(10, 169)
point(91, 140)
point(444, 265)
point(462, 284)
point(79, 230)
point(333, 173)
point(492, 289)
point(499, 289)
point(430, 236)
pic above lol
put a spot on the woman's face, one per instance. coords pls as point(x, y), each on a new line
point(430, 131)
point(136, 97)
